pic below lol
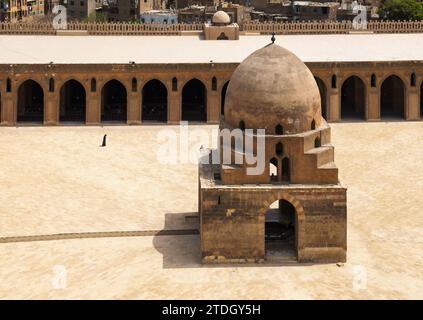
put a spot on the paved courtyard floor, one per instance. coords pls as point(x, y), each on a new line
point(57, 180)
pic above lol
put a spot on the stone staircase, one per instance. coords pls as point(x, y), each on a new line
point(323, 160)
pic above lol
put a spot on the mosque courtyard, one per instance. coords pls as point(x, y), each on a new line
point(83, 222)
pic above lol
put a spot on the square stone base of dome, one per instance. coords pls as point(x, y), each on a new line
point(263, 222)
point(228, 32)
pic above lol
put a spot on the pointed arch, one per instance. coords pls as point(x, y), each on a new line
point(93, 85)
point(323, 95)
point(214, 84)
point(279, 149)
point(273, 169)
point(373, 80)
point(194, 101)
point(51, 85)
point(154, 101)
point(279, 129)
point(334, 82)
point(392, 98)
point(353, 98)
point(114, 101)
point(134, 85)
point(72, 102)
point(30, 102)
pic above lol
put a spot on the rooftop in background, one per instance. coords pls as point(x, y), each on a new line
point(190, 49)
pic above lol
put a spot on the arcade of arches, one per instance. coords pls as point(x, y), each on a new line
point(196, 94)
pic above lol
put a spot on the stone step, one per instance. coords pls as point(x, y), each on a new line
point(323, 154)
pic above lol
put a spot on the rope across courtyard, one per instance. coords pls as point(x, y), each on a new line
point(110, 234)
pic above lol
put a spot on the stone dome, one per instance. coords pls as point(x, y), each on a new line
point(221, 18)
point(272, 88)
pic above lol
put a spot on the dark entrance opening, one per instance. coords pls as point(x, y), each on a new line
point(273, 169)
point(286, 172)
point(154, 101)
point(30, 102)
point(280, 230)
point(222, 98)
point(194, 101)
point(113, 102)
point(353, 99)
point(392, 98)
point(72, 102)
point(222, 36)
point(323, 95)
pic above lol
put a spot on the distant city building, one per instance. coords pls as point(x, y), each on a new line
point(221, 28)
point(159, 16)
point(121, 10)
point(180, 4)
point(16, 10)
point(295, 10)
point(200, 14)
point(80, 9)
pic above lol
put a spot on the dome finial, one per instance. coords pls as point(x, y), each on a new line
point(273, 37)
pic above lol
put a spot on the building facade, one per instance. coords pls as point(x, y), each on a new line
point(289, 204)
point(17, 10)
point(80, 9)
point(362, 91)
point(168, 83)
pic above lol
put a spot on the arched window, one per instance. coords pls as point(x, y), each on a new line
point(317, 142)
point(134, 84)
point(242, 125)
point(373, 80)
point(174, 84)
point(214, 84)
point(273, 169)
point(222, 36)
point(51, 85)
point(286, 174)
point(413, 80)
point(93, 85)
point(313, 125)
point(279, 129)
point(8, 85)
point(334, 81)
point(279, 149)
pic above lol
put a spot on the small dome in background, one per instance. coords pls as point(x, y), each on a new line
point(221, 18)
point(272, 88)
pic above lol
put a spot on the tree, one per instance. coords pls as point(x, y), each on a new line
point(401, 10)
point(96, 17)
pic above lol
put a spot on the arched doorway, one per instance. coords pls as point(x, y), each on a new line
point(222, 98)
point(281, 232)
point(113, 102)
point(392, 98)
point(72, 101)
point(154, 101)
point(30, 102)
point(323, 95)
point(353, 99)
point(194, 101)
point(273, 169)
